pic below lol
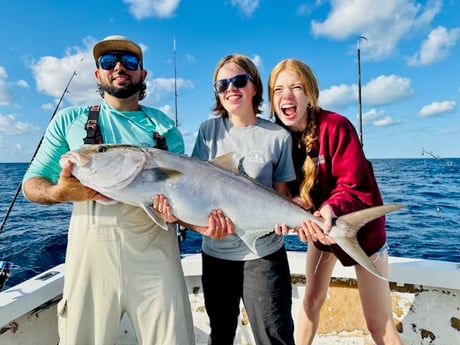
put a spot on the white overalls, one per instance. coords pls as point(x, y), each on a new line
point(118, 260)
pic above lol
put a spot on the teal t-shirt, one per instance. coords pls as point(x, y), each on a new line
point(67, 130)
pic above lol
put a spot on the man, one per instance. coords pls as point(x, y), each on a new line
point(117, 259)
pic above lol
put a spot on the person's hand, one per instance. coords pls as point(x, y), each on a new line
point(161, 205)
point(311, 231)
point(218, 227)
point(299, 201)
point(69, 188)
point(284, 230)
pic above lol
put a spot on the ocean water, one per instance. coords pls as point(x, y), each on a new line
point(34, 236)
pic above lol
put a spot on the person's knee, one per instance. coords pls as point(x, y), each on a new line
point(377, 327)
point(314, 302)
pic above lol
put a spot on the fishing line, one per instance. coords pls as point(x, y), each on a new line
point(440, 210)
point(427, 177)
point(442, 161)
point(36, 150)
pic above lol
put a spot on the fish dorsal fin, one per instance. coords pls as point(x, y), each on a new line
point(226, 162)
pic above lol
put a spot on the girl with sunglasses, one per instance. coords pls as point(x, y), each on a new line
point(230, 270)
point(333, 178)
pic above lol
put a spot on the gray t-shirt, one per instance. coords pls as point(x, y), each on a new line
point(262, 151)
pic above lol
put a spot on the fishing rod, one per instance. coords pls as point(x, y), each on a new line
point(36, 150)
point(440, 160)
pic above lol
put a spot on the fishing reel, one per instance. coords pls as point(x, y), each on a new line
point(5, 272)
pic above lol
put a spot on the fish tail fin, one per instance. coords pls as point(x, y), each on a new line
point(349, 224)
point(354, 221)
point(354, 250)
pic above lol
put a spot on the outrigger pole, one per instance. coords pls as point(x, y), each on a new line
point(175, 84)
point(36, 150)
point(359, 91)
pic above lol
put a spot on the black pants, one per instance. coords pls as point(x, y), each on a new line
point(265, 287)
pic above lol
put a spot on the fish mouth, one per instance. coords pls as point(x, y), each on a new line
point(80, 159)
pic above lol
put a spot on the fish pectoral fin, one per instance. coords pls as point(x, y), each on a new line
point(250, 237)
point(155, 216)
point(351, 247)
point(161, 174)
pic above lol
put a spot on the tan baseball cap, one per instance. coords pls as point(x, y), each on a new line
point(116, 43)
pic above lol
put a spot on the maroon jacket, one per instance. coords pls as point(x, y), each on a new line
point(345, 180)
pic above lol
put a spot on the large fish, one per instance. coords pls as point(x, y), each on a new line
point(134, 175)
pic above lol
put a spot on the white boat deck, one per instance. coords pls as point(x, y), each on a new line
point(427, 304)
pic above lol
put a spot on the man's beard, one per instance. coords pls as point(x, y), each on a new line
point(121, 91)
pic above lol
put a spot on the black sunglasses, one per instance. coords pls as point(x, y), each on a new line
point(238, 81)
point(109, 61)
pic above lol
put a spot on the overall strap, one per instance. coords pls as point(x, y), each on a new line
point(160, 141)
point(93, 132)
point(94, 136)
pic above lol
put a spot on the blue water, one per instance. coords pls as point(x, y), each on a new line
point(34, 236)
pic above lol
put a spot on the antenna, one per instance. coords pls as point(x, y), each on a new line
point(175, 84)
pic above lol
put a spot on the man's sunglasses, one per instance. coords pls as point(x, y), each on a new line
point(128, 61)
point(238, 81)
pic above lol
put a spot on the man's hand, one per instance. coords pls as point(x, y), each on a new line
point(69, 188)
point(161, 205)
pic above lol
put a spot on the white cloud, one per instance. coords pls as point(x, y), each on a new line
point(190, 59)
point(373, 115)
point(23, 84)
point(141, 9)
point(168, 110)
point(246, 6)
point(382, 90)
point(160, 87)
point(384, 24)
point(9, 126)
point(257, 61)
point(385, 122)
point(337, 97)
point(379, 118)
point(5, 94)
point(53, 74)
point(386, 90)
point(18, 148)
point(436, 47)
point(437, 108)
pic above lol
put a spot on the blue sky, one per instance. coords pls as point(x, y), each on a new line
point(410, 73)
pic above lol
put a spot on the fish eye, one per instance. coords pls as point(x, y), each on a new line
point(102, 148)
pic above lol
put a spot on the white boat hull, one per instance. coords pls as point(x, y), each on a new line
point(425, 293)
